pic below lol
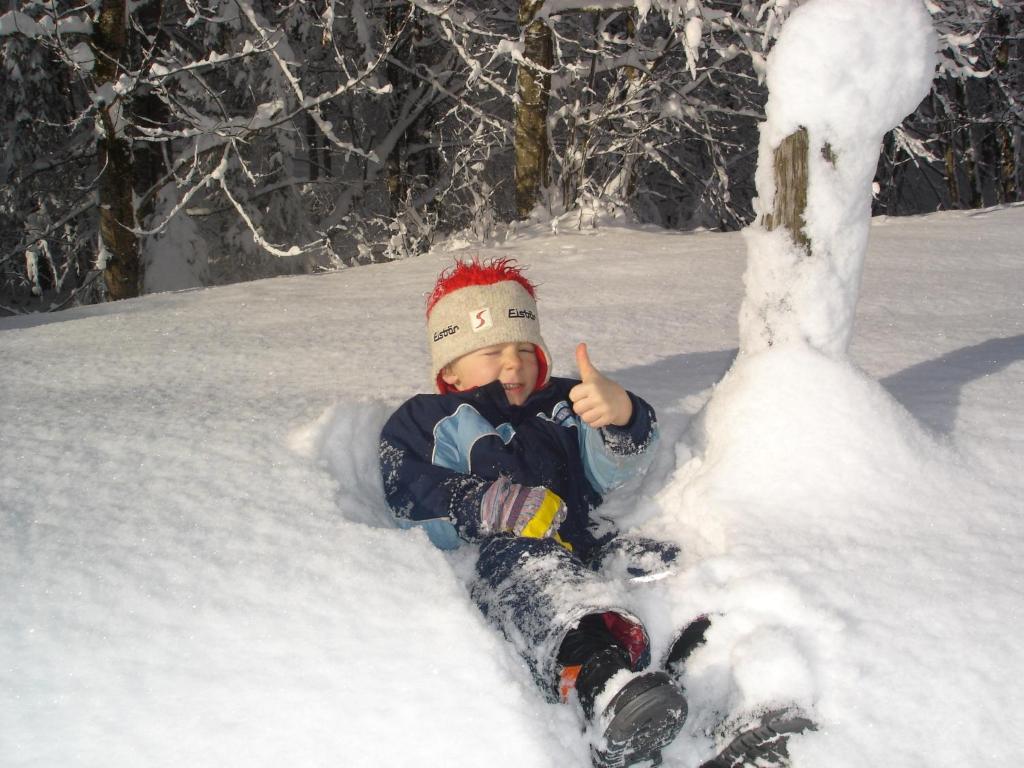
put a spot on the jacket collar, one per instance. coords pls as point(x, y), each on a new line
point(493, 394)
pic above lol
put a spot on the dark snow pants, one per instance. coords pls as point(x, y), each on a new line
point(535, 592)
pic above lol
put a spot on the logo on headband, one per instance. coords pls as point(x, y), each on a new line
point(445, 332)
point(480, 319)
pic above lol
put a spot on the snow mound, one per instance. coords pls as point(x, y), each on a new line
point(345, 439)
point(819, 514)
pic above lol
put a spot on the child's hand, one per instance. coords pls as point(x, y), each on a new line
point(533, 512)
point(598, 400)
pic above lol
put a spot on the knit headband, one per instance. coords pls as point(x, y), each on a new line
point(478, 316)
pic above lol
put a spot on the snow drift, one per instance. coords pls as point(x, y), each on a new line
point(196, 567)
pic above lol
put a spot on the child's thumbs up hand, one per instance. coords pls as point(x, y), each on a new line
point(598, 400)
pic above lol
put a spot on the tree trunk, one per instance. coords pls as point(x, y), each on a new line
point(147, 109)
point(533, 88)
point(973, 156)
point(122, 271)
point(791, 178)
point(1006, 186)
point(949, 153)
point(312, 147)
point(951, 180)
point(401, 83)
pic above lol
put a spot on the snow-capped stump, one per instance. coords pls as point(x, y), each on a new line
point(813, 439)
point(841, 75)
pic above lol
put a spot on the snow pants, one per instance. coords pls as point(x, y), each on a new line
point(534, 591)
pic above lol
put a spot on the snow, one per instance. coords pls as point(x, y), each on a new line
point(197, 568)
point(851, 68)
point(82, 55)
point(16, 22)
point(176, 258)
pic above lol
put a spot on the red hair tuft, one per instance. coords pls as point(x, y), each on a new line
point(469, 273)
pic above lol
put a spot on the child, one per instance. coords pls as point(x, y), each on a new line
point(511, 458)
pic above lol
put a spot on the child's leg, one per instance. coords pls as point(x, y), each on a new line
point(536, 592)
point(555, 611)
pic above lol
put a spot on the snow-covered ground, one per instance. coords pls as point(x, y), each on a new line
point(197, 569)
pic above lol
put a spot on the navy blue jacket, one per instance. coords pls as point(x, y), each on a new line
point(440, 453)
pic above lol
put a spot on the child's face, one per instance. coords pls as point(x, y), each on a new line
point(514, 365)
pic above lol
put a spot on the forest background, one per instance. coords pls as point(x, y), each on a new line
point(169, 144)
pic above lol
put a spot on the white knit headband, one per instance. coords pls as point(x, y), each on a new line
point(478, 316)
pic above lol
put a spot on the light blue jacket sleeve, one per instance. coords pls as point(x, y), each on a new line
point(614, 455)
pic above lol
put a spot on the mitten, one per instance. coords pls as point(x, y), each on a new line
point(534, 512)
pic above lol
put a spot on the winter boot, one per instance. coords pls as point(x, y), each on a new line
point(643, 717)
point(636, 559)
point(691, 638)
point(764, 745)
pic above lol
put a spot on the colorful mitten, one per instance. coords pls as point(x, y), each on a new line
point(507, 507)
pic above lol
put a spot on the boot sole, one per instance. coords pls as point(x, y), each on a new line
point(643, 725)
point(763, 745)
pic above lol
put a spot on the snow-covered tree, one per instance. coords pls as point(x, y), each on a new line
point(182, 120)
point(47, 164)
point(220, 140)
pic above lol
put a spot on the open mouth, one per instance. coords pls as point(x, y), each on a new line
point(515, 392)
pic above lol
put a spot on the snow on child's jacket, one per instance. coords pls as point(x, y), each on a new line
point(440, 454)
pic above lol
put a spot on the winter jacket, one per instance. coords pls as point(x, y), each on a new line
point(440, 453)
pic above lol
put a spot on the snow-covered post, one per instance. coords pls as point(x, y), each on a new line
point(842, 74)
